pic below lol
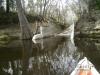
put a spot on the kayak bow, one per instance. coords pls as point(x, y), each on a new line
point(85, 67)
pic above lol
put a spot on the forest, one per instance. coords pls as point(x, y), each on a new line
point(40, 13)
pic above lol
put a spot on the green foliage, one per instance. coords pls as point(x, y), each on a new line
point(98, 4)
point(12, 18)
point(8, 18)
point(95, 4)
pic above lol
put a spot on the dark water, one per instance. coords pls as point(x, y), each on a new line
point(51, 56)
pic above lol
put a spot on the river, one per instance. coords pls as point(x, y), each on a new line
point(49, 56)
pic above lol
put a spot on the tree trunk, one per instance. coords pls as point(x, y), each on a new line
point(44, 7)
point(23, 4)
point(7, 6)
point(1, 3)
point(24, 24)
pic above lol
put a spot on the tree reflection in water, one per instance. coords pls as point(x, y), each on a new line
point(50, 56)
point(57, 56)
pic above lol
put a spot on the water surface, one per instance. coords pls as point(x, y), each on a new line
point(50, 56)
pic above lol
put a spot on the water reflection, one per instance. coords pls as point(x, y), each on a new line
point(55, 56)
point(51, 56)
point(27, 53)
point(91, 49)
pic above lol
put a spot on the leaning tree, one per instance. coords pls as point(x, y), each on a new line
point(24, 24)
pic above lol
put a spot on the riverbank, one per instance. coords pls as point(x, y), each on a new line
point(94, 33)
point(9, 33)
point(14, 32)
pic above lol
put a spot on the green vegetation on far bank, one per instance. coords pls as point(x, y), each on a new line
point(95, 33)
point(12, 18)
